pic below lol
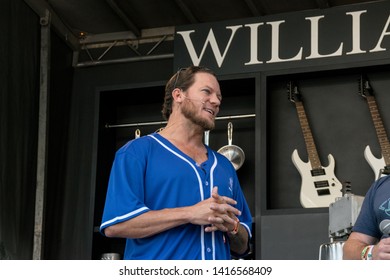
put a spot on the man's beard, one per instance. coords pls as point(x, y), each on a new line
point(189, 112)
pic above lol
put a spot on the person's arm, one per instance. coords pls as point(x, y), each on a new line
point(355, 244)
point(239, 242)
point(152, 222)
point(149, 223)
point(238, 235)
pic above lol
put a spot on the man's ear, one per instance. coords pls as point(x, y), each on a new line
point(177, 95)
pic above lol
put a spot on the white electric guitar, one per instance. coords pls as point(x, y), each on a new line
point(319, 187)
point(380, 166)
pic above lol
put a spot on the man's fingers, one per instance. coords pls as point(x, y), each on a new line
point(222, 199)
point(224, 209)
point(216, 227)
point(223, 219)
point(216, 220)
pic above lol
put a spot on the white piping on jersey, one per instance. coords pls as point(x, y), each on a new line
point(247, 229)
point(211, 190)
point(200, 190)
point(124, 216)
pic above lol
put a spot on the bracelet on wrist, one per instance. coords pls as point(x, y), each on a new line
point(235, 229)
point(363, 253)
point(369, 253)
point(366, 253)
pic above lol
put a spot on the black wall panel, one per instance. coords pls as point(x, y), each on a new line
point(340, 122)
point(293, 236)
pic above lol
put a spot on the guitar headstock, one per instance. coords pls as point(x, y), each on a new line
point(365, 87)
point(293, 93)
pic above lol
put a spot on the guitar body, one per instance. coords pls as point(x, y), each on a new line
point(380, 166)
point(317, 190)
point(377, 164)
point(319, 186)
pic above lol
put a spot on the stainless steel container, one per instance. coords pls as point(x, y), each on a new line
point(110, 256)
point(332, 251)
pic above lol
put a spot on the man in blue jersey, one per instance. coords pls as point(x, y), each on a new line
point(169, 194)
point(368, 241)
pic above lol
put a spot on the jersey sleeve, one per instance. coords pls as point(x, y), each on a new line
point(125, 192)
point(246, 216)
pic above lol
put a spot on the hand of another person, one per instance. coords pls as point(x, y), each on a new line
point(381, 251)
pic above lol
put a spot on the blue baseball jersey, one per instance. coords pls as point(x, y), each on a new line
point(375, 208)
point(150, 173)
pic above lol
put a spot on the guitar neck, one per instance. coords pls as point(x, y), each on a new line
point(380, 129)
point(307, 135)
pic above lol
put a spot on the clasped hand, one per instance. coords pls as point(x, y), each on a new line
point(218, 212)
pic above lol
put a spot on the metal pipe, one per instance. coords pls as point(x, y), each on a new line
point(164, 122)
point(124, 60)
point(107, 50)
point(41, 179)
point(156, 45)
